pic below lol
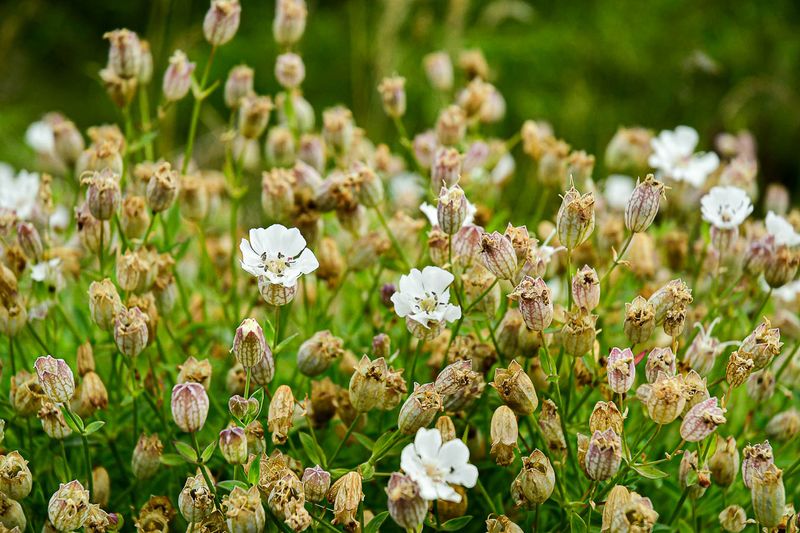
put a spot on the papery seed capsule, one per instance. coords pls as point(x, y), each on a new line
point(575, 218)
point(784, 426)
point(405, 505)
point(346, 495)
point(452, 209)
point(694, 390)
point(666, 399)
point(606, 415)
point(504, 433)
point(733, 519)
point(578, 334)
point(249, 345)
point(702, 420)
point(738, 369)
point(221, 21)
point(316, 354)
point(146, 459)
point(193, 198)
point(120, 90)
point(769, 497)
point(102, 193)
point(370, 186)
point(338, 128)
point(393, 95)
point(68, 506)
point(445, 168)
point(92, 395)
point(756, 458)
point(375, 385)
point(781, 267)
point(55, 378)
point(586, 288)
point(177, 77)
point(419, 409)
point(639, 320)
point(130, 331)
point(13, 317)
point(628, 150)
point(516, 389)
point(275, 293)
point(636, 514)
point(660, 360)
point(451, 126)
point(102, 487)
point(30, 241)
point(604, 455)
point(104, 303)
point(12, 516)
point(233, 445)
point(53, 422)
point(290, 71)
point(508, 331)
point(162, 189)
point(724, 463)
point(618, 497)
point(15, 476)
point(189, 406)
point(254, 115)
point(238, 85)
point(124, 53)
point(134, 217)
point(501, 524)
point(535, 303)
point(240, 407)
point(675, 295)
point(281, 411)
point(498, 255)
point(446, 428)
point(68, 142)
point(535, 482)
point(552, 430)
point(621, 370)
point(195, 501)
point(26, 394)
point(264, 371)
point(131, 270)
point(256, 445)
point(289, 22)
point(316, 483)
point(643, 204)
point(277, 194)
point(762, 345)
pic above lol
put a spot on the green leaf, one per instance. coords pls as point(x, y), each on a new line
point(576, 523)
point(282, 345)
point(456, 523)
point(336, 473)
point(171, 459)
point(230, 484)
point(94, 426)
point(365, 441)
point(186, 451)
point(76, 427)
point(649, 471)
point(208, 452)
point(366, 470)
point(377, 521)
point(380, 444)
point(254, 473)
point(691, 478)
point(259, 396)
point(312, 450)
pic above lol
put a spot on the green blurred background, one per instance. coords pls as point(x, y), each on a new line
point(587, 67)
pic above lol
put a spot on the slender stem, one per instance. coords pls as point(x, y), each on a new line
point(757, 314)
point(345, 439)
point(64, 457)
point(674, 514)
point(86, 453)
point(144, 110)
point(619, 257)
point(395, 243)
point(413, 366)
point(486, 496)
point(198, 102)
point(202, 466)
point(247, 384)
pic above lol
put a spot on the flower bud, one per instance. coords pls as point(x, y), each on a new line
point(145, 74)
point(240, 407)
point(290, 21)
point(281, 411)
point(504, 433)
point(177, 77)
point(452, 209)
point(162, 189)
point(756, 459)
point(419, 409)
point(606, 415)
point(233, 445)
point(193, 198)
point(535, 303)
point(53, 422)
point(575, 218)
point(316, 483)
point(290, 70)
point(639, 320)
point(15, 476)
point(221, 21)
point(660, 360)
point(189, 405)
point(702, 420)
point(249, 344)
point(124, 53)
point(498, 255)
point(733, 519)
point(446, 428)
point(56, 379)
point(621, 370)
point(738, 369)
point(318, 353)
point(604, 455)
point(516, 389)
point(451, 126)
point(264, 371)
point(724, 463)
point(578, 334)
point(68, 142)
point(586, 288)
point(238, 85)
point(445, 169)
point(439, 70)
point(346, 496)
point(146, 458)
point(68, 506)
point(393, 95)
point(666, 399)
point(405, 505)
point(535, 482)
point(769, 497)
point(30, 241)
point(643, 204)
point(130, 331)
point(102, 193)
point(675, 295)
point(784, 426)
point(781, 267)
point(195, 501)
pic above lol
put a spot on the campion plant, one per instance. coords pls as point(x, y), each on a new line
point(185, 352)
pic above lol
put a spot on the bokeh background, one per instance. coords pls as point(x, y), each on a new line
point(587, 67)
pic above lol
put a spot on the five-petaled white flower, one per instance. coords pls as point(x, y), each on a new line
point(435, 466)
point(781, 230)
point(432, 215)
point(673, 156)
point(49, 272)
point(20, 192)
point(726, 207)
point(278, 253)
point(425, 296)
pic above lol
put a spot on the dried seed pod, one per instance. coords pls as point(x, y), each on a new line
point(146, 458)
point(244, 511)
point(621, 370)
point(618, 497)
point(516, 389)
point(606, 415)
point(674, 296)
point(130, 331)
point(586, 288)
point(451, 126)
point(733, 519)
point(603, 455)
point(761, 386)
point(68, 506)
point(498, 255)
point(195, 501)
point(552, 431)
point(702, 420)
point(504, 433)
point(405, 505)
point(575, 218)
point(419, 409)
point(289, 22)
point(393, 95)
point(666, 399)
point(104, 303)
point(53, 422)
point(92, 395)
point(281, 411)
point(316, 483)
point(756, 458)
point(451, 210)
point(124, 52)
point(446, 428)
point(102, 193)
point(15, 476)
point(636, 514)
point(317, 353)
point(578, 334)
point(501, 524)
point(724, 463)
point(643, 204)
point(769, 497)
point(535, 303)
point(162, 189)
point(346, 495)
point(189, 405)
point(375, 385)
point(254, 114)
point(194, 371)
point(660, 360)
point(762, 345)
point(738, 369)
point(694, 390)
point(535, 482)
point(55, 378)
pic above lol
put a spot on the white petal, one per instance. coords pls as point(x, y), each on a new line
point(292, 242)
point(427, 443)
point(307, 262)
point(436, 279)
point(465, 475)
point(452, 312)
point(411, 284)
point(452, 454)
point(447, 493)
point(410, 463)
point(258, 242)
point(402, 304)
point(431, 213)
point(272, 238)
point(427, 488)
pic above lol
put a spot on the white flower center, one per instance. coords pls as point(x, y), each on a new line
point(276, 265)
point(429, 303)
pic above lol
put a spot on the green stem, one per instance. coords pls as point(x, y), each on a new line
point(395, 243)
point(144, 110)
point(345, 439)
point(198, 102)
point(203, 468)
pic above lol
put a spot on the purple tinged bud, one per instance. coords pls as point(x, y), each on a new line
point(535, 303)
point(249, 344)
point(406, 506)
point(702, 420)
point(55, 378)
point(189, 406)
point(604, 455)
point(30, 241)
point(621, 370)
point(233, 445)
point(316, 483)
point(451, 210)
point(498, 255)
point(222, 21)
point(177, 77)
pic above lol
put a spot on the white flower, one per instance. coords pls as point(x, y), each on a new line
point(49, 272)
point(19, 193)
point(504, 169)
point(781, 230)
point(425, 296)
point(59, 220)
point(433, 217)
point(673, 156)
point(434, 466)
point(618, 189)
point(277, 253)
point(726, 207)
point(40, 137)
point(406, 191)
point(788, 293)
